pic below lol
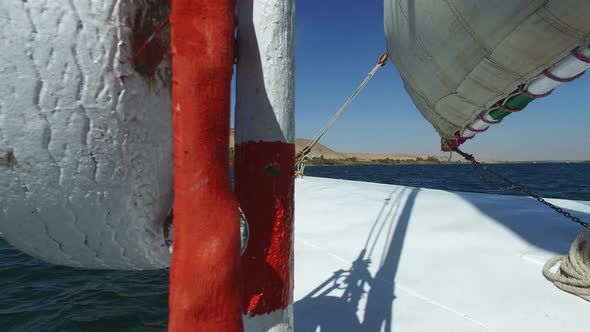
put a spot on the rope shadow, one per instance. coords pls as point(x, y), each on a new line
point(335, 305)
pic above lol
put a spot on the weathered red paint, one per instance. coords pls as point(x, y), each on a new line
point(205, 283)
point(265, 190)
point(147, 54)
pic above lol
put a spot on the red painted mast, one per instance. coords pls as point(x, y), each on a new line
point(205, 284)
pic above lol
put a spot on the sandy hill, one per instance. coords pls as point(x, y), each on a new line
point(300, 144)
point(232, 138)
point(322, 150)
point(318, 150)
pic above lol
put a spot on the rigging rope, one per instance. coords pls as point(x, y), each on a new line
point(302, 156)
point(573, 273)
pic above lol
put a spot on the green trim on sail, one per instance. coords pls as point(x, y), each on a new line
point(514, 102)
point(519, 101)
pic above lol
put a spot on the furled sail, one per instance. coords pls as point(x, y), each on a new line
point(459, 58)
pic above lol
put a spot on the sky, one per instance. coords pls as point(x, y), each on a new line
point(338, 43)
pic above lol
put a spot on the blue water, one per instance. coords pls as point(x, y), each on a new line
point(39, 297)
point(559, 180)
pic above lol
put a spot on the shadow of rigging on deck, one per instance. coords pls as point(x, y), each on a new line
point(337, 304)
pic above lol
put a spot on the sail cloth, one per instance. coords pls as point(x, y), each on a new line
point(459, 57)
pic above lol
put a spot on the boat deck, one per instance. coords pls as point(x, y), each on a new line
point(373, 257)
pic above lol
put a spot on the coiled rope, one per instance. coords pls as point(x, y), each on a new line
point(573, 273)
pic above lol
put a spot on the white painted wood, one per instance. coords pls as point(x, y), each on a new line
point(91, 178)
point(265, 71)
point(276, 321)
point(265, 90)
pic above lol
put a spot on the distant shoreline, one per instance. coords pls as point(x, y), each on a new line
point(321, 161)
point(321, 155)
point(339, 162)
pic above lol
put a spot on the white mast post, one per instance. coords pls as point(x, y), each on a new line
point(264, 160)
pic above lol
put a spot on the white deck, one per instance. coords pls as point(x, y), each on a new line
point(442, 261)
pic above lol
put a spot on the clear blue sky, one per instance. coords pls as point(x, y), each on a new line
point(338, 43)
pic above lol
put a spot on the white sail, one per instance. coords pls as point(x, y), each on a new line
point(459, 57)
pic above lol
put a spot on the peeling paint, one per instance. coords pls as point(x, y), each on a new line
point(156, 55)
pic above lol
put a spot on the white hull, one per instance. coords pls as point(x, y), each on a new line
point(443, 261)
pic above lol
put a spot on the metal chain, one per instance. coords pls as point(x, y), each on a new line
point(481, 169)
point(480, 172)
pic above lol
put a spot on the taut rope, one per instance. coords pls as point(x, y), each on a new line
point(302, 156)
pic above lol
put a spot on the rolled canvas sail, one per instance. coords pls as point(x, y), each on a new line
point(459, 57)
